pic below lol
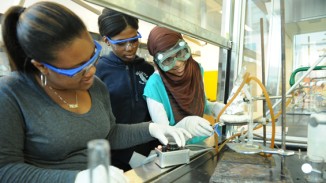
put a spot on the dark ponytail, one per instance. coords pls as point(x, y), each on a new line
point(9, 25)
point(112, 22)
point(38, 32)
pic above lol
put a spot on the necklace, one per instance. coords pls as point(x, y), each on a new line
point(71, 106)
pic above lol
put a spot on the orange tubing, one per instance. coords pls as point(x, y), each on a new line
point(269, 104)
point(245, 78)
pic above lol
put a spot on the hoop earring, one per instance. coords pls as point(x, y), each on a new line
point(43, 80)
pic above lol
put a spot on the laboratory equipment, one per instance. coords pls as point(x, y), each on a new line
point(317, 135)
point(244, 88)
point(99, 160)
point(171, 154)
point(294, 85)
point(256, 148)
point(313, 168)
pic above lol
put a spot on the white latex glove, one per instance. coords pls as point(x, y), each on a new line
point(196, 126)
point(161, 132)
point(100, 176)
point(215, 108)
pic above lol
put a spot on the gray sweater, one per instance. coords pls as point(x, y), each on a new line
point(42, 142)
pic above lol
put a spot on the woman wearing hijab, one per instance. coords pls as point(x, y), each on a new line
point(175, 92)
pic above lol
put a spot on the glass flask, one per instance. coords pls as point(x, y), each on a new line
point(99, 160)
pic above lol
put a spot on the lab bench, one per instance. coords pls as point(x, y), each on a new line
point(226, 166)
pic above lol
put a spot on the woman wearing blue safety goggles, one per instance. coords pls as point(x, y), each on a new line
point(125, 74)
point(124, 43)
point(53, 104)
point(81, 70)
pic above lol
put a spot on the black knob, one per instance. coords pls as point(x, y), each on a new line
point(172, 146)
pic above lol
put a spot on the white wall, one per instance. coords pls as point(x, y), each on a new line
point(5, 4)
point(209, 57)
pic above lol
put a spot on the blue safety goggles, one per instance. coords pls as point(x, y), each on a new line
point(81, 69)
point(122, 42)
point(166, 60)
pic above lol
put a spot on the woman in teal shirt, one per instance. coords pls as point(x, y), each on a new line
point(175, 92)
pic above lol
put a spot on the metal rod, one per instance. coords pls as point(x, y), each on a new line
point(282, 16)
point(283, 75)
point(271, 97)
point(263, 74)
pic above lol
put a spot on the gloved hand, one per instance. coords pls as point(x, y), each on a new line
point(100, 175)
point(161, 132)
point(215, 108)
point(196, 126)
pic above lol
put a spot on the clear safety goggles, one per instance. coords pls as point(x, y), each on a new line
point(179, 52)
point(81, 70)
